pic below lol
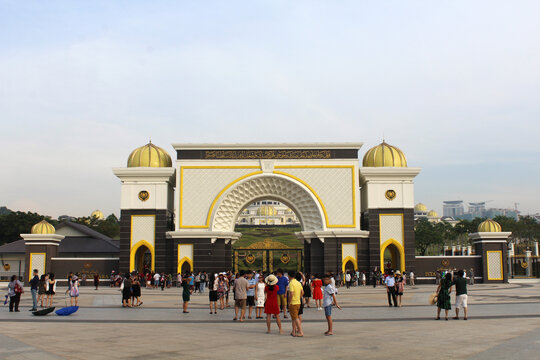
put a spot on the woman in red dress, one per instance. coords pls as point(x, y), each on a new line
point(317, 292)
point(271, 305)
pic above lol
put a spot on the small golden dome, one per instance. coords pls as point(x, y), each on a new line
point(433, 213)
point(266, 210)
point(420, 207)
point(489, 226)
point(97, 214)
point(43, 227)
point(149, 155)
point(384, 155)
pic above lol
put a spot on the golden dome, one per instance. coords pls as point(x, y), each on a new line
point(489, 226)
point(266, 210)
point(43, 227)
point(384, 155)
point(420, 207)
point(149, 155)
point(97, 214)
point(433, 213)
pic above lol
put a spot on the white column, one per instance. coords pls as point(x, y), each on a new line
point(528, 254)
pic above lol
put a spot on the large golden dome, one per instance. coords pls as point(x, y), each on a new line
point(43, 227)
point(420, 207)
point(266, 210)
point(97, 214)
point(489, 226)
point(149, 155)
point(384, 155)
point(433, 213)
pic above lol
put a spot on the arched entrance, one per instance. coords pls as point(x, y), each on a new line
point(185, 267)
point(392, 256)
point(349, 266)
point(143, 259)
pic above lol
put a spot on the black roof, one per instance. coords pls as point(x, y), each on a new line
point(15, 247)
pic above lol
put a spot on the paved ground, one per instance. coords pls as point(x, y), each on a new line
point(504, 323)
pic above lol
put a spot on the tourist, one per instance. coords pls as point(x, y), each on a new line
point(162, 281)
point(136, 293)
point(178, 280)
point(338, 279)
point(363, 278)
point(471, 277)
point(156, 280)
point(329, 300)
point(229, 278)
point(51, 290)
point(461, 294)
point(221, 287)
point(70, 276)
point(96, 280)
point(443, 295)
point(348, 279)
point(271, 307)
point(411, 278)
point(74, 291)
point(112, 279)
point(34, 287)
point(294, 300)
point(259, 298)
point(202, 284)
point(307, 290)
point(283, 284)
point(252, 283)
point(316, 285)
point(125, 287)
point(83, 279)
point(42, 290)
point(240, 296)
point(438, 277)
point(169, 281)
point(212, 293)
point(198, 282)
point(15, 289)
point(390, 283)
point(186, 292)
point(400, 285)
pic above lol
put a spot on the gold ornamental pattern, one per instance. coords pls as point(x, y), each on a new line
point(267, 154)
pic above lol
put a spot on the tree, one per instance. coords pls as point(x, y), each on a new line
point(13, 224)
point(426, 235)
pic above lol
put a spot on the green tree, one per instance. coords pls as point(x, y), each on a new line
point(18, 222)
point(426, 234)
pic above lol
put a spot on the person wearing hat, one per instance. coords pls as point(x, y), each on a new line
point(271, 302)
point(74, 290)
point(390, 283)
point(400, 285)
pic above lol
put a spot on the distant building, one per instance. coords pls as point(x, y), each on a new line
point(421, 211)
point(453, 209)
point(267, 212)
point(477, 209)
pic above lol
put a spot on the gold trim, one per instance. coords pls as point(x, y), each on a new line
point(346, 259)
point(136, 247)
point(401, 254)
point(390, 194)
point(30, 269)
point(268, 244)
point(185, 258)
point(487, 261)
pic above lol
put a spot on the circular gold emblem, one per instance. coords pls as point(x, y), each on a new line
point(144, 195)
point(445, 262)
point(87, 265)
point(285, 258)
point(524, 264)
point(390, 194)
point(7, 267)
point(250, 258)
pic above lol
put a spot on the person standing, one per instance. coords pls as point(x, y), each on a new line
point(390, 283)
point(307, 290)
point(400, 286)
point(202, 284)
point(136, 286)
point(221, 287)
point(374, 277)
point(316, 285)
point(15, 290)
point(443, 296)
point(259, 298)
point(363, 278)
point(283, 284)
point(34, 287)
point(252, 283)
point(328, 301)
point(295, 300)
point(42, 290)
point(186, 292)
point(471, 277)
point(51, 290)
point(156, 280)
point(198, 282)
point(411, 278)
point(240, 296)
point(348, 279)
point(74, 290)
point(212, 293)
point(461, 294)
point(96, 280)
point(126, 291)
point(271, 306)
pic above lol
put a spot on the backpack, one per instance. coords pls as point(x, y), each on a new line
point(18, 289)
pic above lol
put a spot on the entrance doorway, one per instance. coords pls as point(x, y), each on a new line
point(392, 256)
point(143, 260)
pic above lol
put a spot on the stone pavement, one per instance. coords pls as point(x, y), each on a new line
point(504, 323)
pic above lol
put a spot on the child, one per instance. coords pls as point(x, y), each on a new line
point(329, 298)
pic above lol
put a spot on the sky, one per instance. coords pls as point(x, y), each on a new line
point(455, 85)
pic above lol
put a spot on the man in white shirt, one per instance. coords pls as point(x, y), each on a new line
point(156, 280)
point(390, 283)
point(411, 278)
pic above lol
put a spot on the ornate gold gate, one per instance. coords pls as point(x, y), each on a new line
point(267, 255)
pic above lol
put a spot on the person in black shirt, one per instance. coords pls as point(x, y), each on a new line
point(461, 294)
point(34, 285)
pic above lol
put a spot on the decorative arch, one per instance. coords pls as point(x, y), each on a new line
point(272, 186)
point(346, 260)
point(399, 248)
point(133, 252)
point(182, 261)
